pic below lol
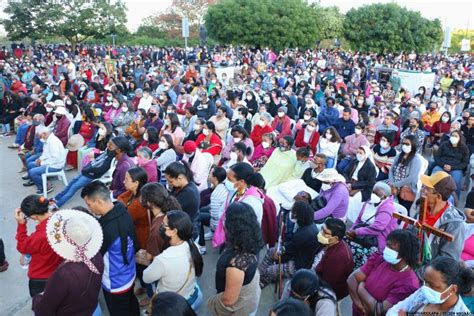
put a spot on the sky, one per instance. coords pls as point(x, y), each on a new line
point(454, 13)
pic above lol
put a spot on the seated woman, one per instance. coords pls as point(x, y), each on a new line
point(384, 155)
point(334, 262)
point(134, 128)
point(308, 136)
point(239, 134)
point(298, 253)
point(387, 278)
point(197, 130)
point(377, 225)
point(329, 146)
point(263, 127)
point(307, 287)
point(263, 151)
point(172, 127)
point(403, 176)
point(150, 139)
point(453, 157)
point(440, 128)
point(124, 118)
point(165, 155)
point(238, 154)
point(145, 160)
point(177, 267)
point(281, 163)
point(237, 276)
point(360, 173)
point(335, 193)
point(445, 279)
point(415, 128)
point(209, 141)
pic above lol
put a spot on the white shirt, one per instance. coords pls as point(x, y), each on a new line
point(53, 153)
point(145, 103)
point(171, 269)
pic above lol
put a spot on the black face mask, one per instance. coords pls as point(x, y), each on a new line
point(151, 115)
point(163, 235)
point(111, 153)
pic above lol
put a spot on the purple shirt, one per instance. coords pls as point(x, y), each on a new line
point(337, 199)
point(385, 283)
point(123, 165)
point(158, 124)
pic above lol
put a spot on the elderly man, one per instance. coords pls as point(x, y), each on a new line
point(52, 159)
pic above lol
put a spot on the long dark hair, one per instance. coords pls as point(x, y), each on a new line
point(138, 174)
point(414, 145)
point(34, 204)
point(174, 121)
point(306, 283)
point(177, 168)
point(243, 171)
point(409, 245)
point(156, 194)
point(181, 221)
point(242, 229)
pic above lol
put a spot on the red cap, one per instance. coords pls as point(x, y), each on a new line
point(189, 147)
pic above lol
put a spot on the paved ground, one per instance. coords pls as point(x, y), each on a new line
point(14, 296)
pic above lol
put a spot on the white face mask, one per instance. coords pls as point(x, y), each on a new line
point(406, 149)
point(284, 102)
point(306, 117)
point(229, 185)
point(391, 256)
point(325, 186)
point(167, 122)
point(261, 123)
point(163, 145)
point(265, 145)
point(281, 114)
point(233, 156)
point(82, 88)
point(249, 98)
point(102, 132)
point(384, 144)
point(360, 157)
point(454, 140)
point(432, 296)
point(358, 131)
point(124, 109)
point(310, 128)
point(328, 136)
point(444, 119)
point(237, 139)
point(49, 110)
point(109, 98)
point(452, 101)
point(145, 137)
point(197, 127)
point(205, 131)
point(266, 99)
point(115, 105)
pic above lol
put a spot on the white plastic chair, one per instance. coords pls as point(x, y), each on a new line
point(401, 210)
point(424, 166)
point(60, 174)
point(107, 177)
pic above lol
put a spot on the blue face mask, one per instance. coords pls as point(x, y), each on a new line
point(432, 296)
point(391, 256)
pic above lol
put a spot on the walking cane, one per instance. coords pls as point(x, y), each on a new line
point(279, 283)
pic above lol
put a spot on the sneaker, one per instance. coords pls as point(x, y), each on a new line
point(4, 266)
point(49, 190)
point(68, 168)
point(26, 177)
point(202, 250)
point(14, 146)
point(28, 184)
point(208, 235)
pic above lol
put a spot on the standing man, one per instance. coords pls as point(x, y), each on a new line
point(118, 249)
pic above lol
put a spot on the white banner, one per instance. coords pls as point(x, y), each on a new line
point(413, 80)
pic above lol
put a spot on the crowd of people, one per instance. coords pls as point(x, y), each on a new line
point(290, 164)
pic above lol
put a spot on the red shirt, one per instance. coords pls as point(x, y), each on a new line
point(44, 260)
point(258, 132)
point(215, 146)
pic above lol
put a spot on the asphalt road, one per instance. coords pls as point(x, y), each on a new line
point(14, 296)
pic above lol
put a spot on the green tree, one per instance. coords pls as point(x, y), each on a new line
point(273, 23)
point(329, 22)
point(75, 20)
point(389, 27)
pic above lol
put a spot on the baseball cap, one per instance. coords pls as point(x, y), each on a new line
point(189, 147)
point(441, 181)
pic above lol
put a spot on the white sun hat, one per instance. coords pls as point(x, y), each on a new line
point(75, 236)
point(330, 175)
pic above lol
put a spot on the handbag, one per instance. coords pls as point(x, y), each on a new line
point(366, 241)
point(407, 194)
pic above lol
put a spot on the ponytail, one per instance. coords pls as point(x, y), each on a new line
point(196, 257)
point(177, 168)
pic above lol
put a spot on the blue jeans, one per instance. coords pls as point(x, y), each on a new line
point(457, 177)
point(342, 165)
point(329, 162)
point(21, 134)
point(77, 183)
point(35, 172)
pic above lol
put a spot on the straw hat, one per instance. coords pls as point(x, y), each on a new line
point(75, 236)
point(75, 142)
